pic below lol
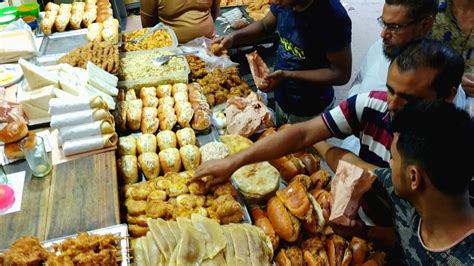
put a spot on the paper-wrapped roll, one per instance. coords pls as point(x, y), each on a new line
point(150, 164)
point(127, 146)
point(101, 127)
point(81, 117)
point(81, 145)
point(59, 106)
point(127, 169)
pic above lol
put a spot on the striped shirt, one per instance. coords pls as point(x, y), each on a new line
point(366, 116)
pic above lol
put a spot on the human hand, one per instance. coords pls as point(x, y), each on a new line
point(222, 43)
point(356, 228)
point(274, 79)
point(215, 171)
point(467, 84)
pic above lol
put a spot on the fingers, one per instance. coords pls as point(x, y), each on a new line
point(200, 173)
point(215, 181)
point(217, 40)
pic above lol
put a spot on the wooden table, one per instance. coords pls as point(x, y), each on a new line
point(76, 196)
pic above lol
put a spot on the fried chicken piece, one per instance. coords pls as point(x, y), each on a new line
point(135, 207)
point(61, 260)
point(226, 188)
point(314, 251)
point(26, 251)
point(157, 209)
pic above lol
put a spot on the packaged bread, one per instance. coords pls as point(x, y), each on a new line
point(94, 32)
point(150, 120)
point(146, 143)
point(170, 160)
point(13, 132)
point(163, 90)
point(184, 113)
point(127, 169)
point(110, 32)
point(100, 127)
point(127, 146)
point(167, 117)
point(190, 156)
point(179, 87)
point(166, 139)
point(77, 13)
point(134, 114)
point(186, 136)
point(60, 106)
point(63, 17)
point(150, 164)
point(150, 101)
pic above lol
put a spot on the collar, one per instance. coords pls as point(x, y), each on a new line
point(444, 249)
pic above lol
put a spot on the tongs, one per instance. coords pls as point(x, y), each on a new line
point(165, 58)
point(139, 39)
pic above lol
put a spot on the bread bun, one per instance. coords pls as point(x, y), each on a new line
point(281, 259)
point(324, 199)
point(291, 256)
point(320, 179)
point(257, 182)
point(260, 219)
point(13, 132)
point(359, 249)
point(13, 150)
point(310, 162)
point(375, 259)
point(295, 198)
point(285, 224)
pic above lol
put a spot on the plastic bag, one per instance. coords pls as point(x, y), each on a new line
point(202, 46)
point(17, 41)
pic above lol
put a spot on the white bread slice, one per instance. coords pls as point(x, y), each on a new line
point(37, 77)
point(40, 97)
point(97, 72)
point(33, 112)
point(92, 92)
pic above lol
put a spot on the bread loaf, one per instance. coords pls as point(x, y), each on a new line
point(13, 132)
point(170, 160)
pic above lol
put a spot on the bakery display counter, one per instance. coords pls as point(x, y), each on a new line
point(76, 196)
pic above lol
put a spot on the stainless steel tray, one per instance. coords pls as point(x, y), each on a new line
point(120, 230)
point(63, 42)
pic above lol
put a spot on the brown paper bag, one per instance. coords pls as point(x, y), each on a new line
point(347, 188)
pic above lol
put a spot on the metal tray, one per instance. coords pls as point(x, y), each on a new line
point(120, 230)
point(63, 42)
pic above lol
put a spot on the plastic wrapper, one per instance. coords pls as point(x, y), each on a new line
point(202, 46)
point(10, 112)
point(16, 41)
point(347, 188)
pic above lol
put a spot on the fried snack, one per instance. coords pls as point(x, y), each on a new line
point(157, 209)
point(197, 66)
point(137, 230)
point(137, 220)
point(26, 251)
point(158, 39)
point(103, 54)
point(136, 207)
point(216, 50)
point(158, 195)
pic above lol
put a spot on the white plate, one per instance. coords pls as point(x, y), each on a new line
point(10, 74)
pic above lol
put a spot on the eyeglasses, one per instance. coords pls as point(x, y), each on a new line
point(395, 28)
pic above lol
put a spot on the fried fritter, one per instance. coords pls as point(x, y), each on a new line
point(136, 207)
point(157, 209)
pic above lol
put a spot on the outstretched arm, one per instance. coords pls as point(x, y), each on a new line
point(333, 154)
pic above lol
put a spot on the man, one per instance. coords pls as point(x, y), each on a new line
point(425, 70)
point(311, 57)
point(426, 183)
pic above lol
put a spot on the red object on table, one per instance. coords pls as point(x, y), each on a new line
point(7, 197)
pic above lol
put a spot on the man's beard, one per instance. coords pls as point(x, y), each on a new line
point(393, 53)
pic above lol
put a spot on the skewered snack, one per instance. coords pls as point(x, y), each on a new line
point(103, 54)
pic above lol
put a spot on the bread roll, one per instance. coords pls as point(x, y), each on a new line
point(127, 146)
point(167, 117)
point(167, 100)
point(147, 91)
point(166, 139)
point(260, 219)
point(77, 14)
point(127, 169)
point(179, 87)
point(150, 101)
point(110, 31)
point(295, 198)
point(186, 136)
point(285, 224)
point(103, 10)
point(184, 113)
point(13, 151)
point(90, 15)
point(170, 160)
point(150, 165)
point(146, 143)
point(13, 132)
point(201, 120)
point(190, 156)
point(94, 32)
point(134, 114)
point(163, 91)
point(130, 95)
point(63, 17)
point(51, 6)
point(180, 97)
point(47, 22)
point(150, 120)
